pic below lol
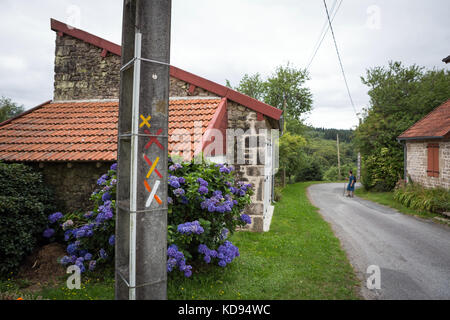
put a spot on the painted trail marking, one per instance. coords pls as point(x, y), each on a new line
point(145, 121)
point(152, 167)
point(152, 193)
point(153, 140)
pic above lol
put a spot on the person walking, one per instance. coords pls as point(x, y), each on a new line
point(351, 184)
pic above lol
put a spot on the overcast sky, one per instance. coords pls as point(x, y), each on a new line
point(222, 40)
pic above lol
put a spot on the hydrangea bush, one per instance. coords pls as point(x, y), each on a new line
point(205, 206)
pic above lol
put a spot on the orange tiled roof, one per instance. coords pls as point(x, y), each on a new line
point(85, 131)
point(436, 124)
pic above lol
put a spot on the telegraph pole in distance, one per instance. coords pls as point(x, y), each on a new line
point(141, 219)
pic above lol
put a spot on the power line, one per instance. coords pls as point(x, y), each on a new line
point(324, 32)
point(340, 61)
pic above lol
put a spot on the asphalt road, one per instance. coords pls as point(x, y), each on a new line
point(413, 254)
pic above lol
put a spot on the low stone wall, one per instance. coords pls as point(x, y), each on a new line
point(73, 184)
point(417, 163)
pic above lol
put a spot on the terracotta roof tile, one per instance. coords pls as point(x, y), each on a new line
point(435, 124)
point(87, 131)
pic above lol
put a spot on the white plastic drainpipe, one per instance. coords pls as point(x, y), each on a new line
point(134, 164)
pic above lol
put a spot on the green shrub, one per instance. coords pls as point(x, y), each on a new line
point(25, 202)
point(332, 173)
point(310, 170)
point(415, 196)
point(380, 171)
point(278, 194)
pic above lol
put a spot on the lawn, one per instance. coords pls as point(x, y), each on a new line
point(300, 258)
point(387, 199)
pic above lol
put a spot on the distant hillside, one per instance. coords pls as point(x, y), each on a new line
point(330, 134)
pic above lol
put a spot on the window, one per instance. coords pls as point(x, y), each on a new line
point(433, 160)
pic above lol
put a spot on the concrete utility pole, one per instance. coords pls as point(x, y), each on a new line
point(141, 220)
point(339, 157)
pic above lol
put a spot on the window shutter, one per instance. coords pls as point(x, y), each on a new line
point(430, 171)
point(433, 160)
point(436, 161)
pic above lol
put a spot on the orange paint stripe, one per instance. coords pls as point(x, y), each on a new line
point(147, 186)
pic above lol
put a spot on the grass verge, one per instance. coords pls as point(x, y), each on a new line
point(299, 258)
point(387, 199)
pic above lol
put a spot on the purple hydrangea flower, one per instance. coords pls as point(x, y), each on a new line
point(169, 200)
point(102, 180)
point(103, 254)
point(72, 248)
point(87, 256)
point(106, 197)
point(246, 218)
point(55, 217)
point(114, 167)
point(48, 233)
point(202, 182)
point(112, 240)
point(178, 192)
point(190, 228)
point(203, 190)
point(181, 180)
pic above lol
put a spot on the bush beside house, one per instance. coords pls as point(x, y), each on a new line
point(25, 202)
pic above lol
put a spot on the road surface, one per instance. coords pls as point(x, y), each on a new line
point(413, 254)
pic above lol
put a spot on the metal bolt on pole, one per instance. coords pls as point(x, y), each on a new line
point(141, 220)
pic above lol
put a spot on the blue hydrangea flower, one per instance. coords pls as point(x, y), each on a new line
point(178, 192)
point(102, 180)
point(203, 190)
point(114, 167)
point(65, 260)
point(106, 196)
point(181, 180)
point(246, 218)
point(202, 182)
point(173, 182)
point(48, 233)
point(72, 248)
point(112, 240)
point(103, 254)
point(169, 200)
point(55, 217)
point(190, 228)
point(87, 256)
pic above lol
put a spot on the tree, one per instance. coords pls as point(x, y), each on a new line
point(399, 97)
point(252, 86)
point(284, 89)
point(286, 86)
point(291, 153)
point(9, 109)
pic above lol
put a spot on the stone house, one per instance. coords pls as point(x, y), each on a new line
point(427, 149)
point(72, 139)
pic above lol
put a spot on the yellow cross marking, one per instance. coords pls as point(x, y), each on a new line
point(152, 168)
point(145, 121)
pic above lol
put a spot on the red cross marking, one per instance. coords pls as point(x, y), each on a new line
point(153, 140)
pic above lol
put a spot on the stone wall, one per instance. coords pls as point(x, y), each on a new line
point(81, 73)
point(417, 164)
point(251, 172)
point(72, 183)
